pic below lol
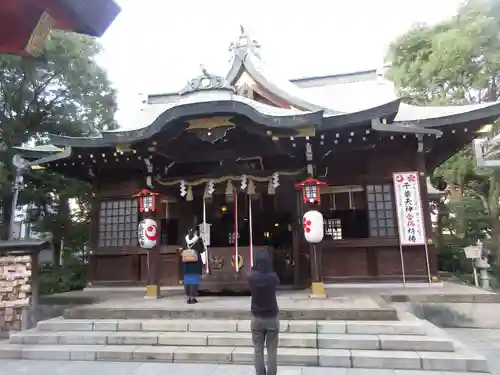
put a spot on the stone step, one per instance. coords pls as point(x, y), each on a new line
point(200, 312)
point(411, 327)
point(236, 339)
point(372, 359)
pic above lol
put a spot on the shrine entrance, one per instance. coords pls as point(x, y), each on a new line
point(241, 225)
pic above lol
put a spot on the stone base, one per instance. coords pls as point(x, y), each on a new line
point(152, 291)
point(318, 289)
point(15, 275)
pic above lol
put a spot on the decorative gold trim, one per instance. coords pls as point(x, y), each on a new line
point(240, 261)
point(124, 147)
point(210, 122)
point(308, 131)
point(40, 34)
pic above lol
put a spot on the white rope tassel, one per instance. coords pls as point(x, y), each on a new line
point(270, 188)
point(236, 250)
point(205, 228)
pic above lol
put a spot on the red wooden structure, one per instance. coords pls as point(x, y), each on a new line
point(148, 201)
point(310, 190)
point(25, 24)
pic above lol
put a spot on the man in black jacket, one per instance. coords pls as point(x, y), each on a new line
point(265, 314)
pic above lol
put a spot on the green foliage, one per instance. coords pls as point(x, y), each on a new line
point(457, 62)
point(63, 279)
point(62, 92)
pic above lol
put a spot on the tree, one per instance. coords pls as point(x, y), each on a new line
point(62, 92)
point(457, 62)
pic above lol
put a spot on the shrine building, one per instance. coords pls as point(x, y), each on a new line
point(229, 151)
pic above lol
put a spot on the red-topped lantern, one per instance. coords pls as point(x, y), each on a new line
point(148, 201)
point(311, 190)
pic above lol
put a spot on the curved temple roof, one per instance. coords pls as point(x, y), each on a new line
point(323, 102)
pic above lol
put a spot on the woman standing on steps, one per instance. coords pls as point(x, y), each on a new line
point(192, 265)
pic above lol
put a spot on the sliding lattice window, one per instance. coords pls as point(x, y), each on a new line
point(118, 220)
point(381, 210)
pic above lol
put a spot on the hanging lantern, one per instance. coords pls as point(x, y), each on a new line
point(148, 233)
point(311, 190)
point(313, 226)
point(148, 201)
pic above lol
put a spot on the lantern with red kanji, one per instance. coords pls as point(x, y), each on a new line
point(148, 201)
point(311, 190)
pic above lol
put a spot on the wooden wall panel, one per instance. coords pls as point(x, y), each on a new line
point(414, 258)
point(388, 261)
point(342, 201)
point(342, 262)
point(114, 268)
point(169, 269)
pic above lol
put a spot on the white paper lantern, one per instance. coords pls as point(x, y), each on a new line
point(148, 233)
point(313, 226)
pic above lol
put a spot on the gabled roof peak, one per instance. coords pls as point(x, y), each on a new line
point(243, 44)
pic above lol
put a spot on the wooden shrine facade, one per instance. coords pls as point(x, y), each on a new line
point(361, 241)
point(251, 126)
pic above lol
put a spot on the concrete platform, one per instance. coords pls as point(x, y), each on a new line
point(293, 306)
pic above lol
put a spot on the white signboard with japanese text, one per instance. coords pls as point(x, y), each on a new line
point(411, 224)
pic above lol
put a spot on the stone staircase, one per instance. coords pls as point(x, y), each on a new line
point(405, 344)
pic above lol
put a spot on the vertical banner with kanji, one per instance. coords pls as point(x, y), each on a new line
point(411, 225)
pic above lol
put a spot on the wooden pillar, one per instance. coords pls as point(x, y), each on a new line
point(424, 197)
point(153, 259)
point(93, 239)
point(316, 260)
point(317, 284)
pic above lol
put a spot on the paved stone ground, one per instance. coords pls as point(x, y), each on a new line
point(108, 293)
point(483, 341)
point(286, 300)
point(125, 368)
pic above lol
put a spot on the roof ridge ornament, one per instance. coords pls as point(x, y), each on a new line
point(244, 44)
point(206, 81)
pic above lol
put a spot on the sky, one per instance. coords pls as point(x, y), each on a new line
point(156, 46)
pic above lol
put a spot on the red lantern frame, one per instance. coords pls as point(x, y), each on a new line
point(146, 194)
point(311, 190)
